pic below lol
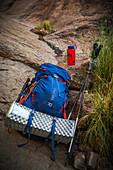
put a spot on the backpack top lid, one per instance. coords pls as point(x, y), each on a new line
point(52, 70)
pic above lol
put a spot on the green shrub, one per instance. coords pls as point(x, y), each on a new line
point(39, 27)
point(65, 57)
point(46, 26)
point(100, 121)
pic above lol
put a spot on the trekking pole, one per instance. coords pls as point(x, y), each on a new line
point(31, 89)
point(95, 53)
point(27, 95)
point(76, 99)
point(84, 83)
point(23, 88)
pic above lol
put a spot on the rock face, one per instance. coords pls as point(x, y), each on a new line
point(78, 75)
point(21, 53)
point(86, 105)
point(19, 44)
point(61, 13)
point(13, 75)
point(75, 21)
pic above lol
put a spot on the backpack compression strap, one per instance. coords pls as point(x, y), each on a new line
point(52, 133)
point(28, 126)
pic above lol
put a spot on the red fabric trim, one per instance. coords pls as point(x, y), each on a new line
point(68, 76)
point(61, 109)
point(33, 97)
point(65, 114)
point(67, 81)
point(61, 81)
point(45, 75)
point(64, 111)
point(43, 69)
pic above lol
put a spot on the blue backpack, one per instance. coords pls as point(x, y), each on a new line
point(50, 94)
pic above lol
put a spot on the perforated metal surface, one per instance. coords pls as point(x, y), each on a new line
point(18, 116)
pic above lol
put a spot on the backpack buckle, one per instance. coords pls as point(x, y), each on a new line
point(55, 76)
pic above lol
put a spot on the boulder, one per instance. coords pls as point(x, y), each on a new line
point(92, 160)
point(79, 161)
point(104, 164)
point(13, 75)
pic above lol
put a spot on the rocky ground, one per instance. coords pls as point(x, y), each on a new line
point(21, 53)
point(19, 60)
point(36, 155)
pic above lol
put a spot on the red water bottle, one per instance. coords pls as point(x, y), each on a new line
point(71, 55)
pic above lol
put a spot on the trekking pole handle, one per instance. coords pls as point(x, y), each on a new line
point(96, 50)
